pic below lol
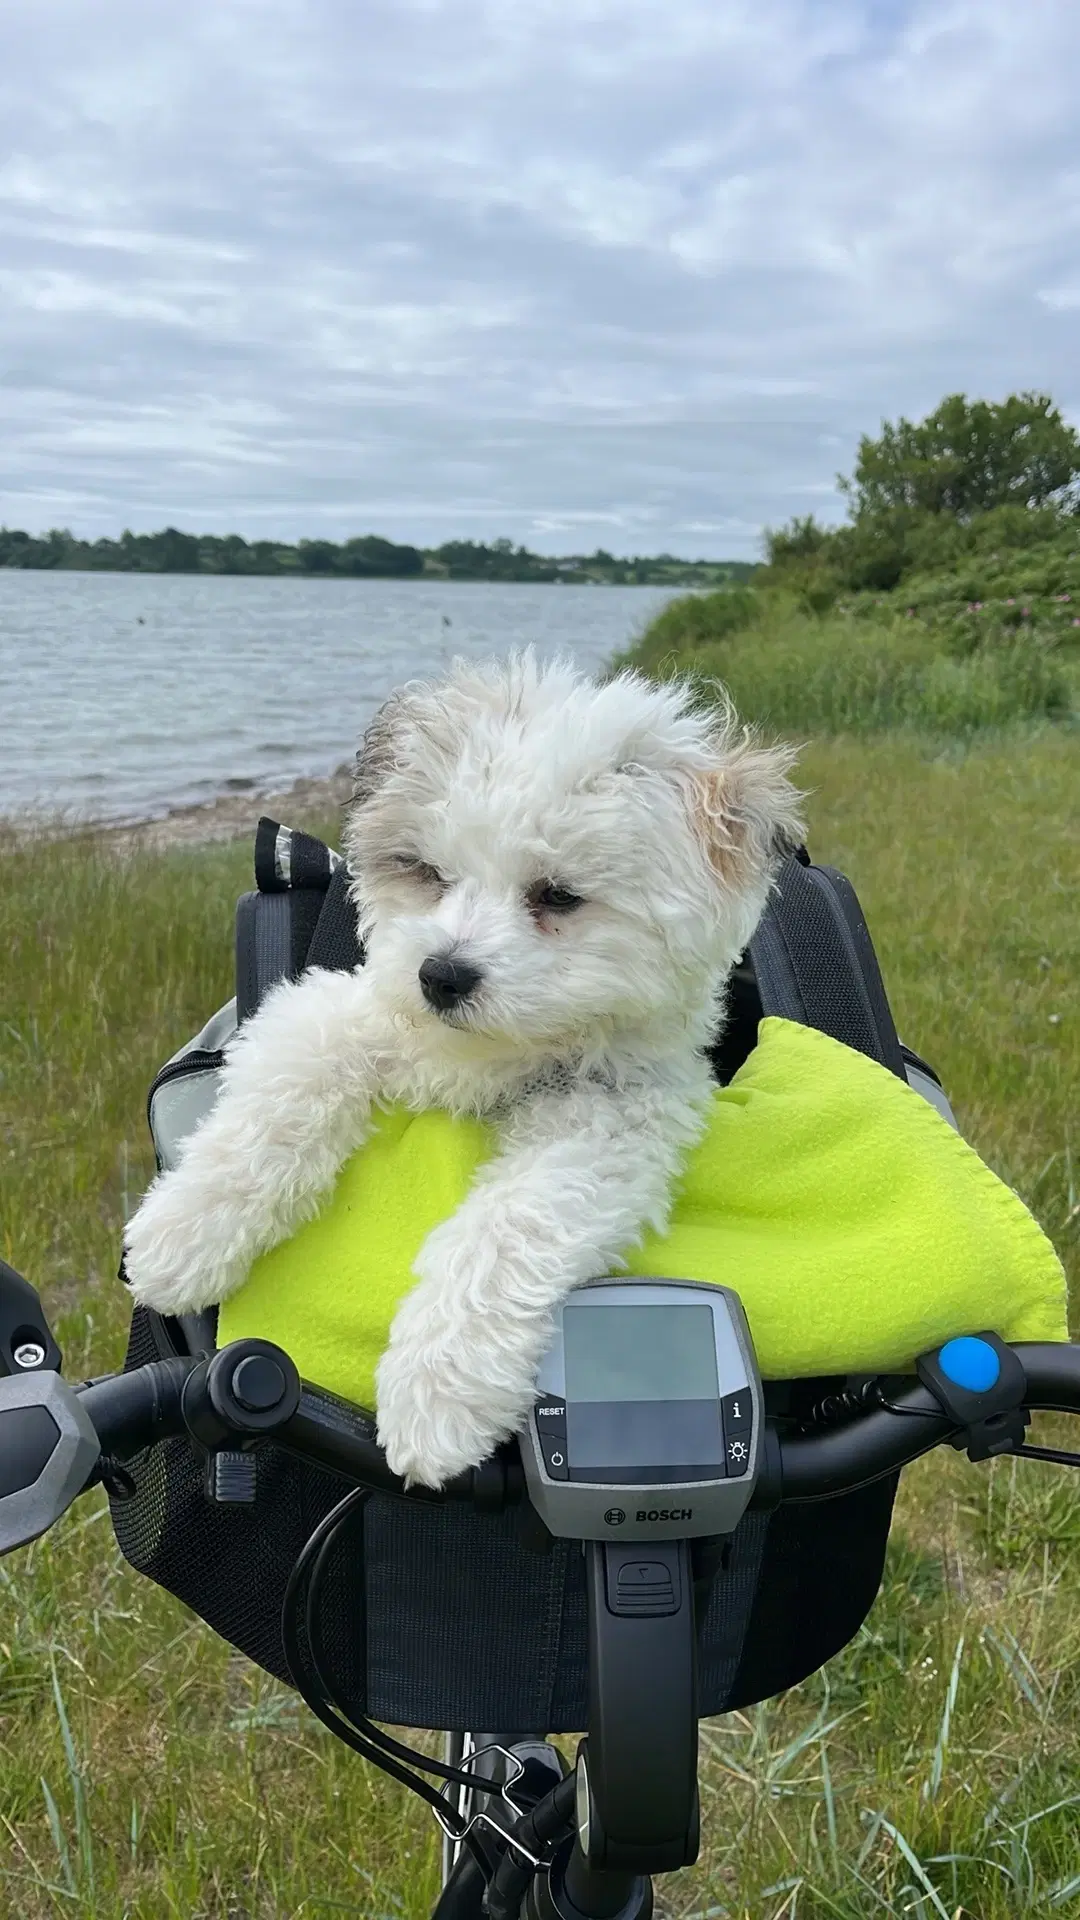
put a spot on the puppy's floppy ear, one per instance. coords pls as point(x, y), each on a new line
point(742, 807)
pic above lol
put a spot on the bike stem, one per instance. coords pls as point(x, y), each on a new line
point(637, 1770)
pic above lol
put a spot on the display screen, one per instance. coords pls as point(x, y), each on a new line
point(642, 1395)
point(631, 1353)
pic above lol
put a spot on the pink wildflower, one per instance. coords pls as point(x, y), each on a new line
point(1025, 613)
point(1010, 603)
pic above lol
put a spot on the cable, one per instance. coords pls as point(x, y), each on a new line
point(1054, 1454)
point(294, 1656)
point(319, 1663)
point(842, 1409)
point(552, 1819)
point(365, 1738)
point(836, 1408)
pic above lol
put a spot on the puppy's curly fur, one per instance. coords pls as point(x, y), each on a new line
point(592, 858)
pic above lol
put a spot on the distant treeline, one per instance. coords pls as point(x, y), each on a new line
point(367, 557)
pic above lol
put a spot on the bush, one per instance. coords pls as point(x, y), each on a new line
point(1011, 551)
point(803, 675)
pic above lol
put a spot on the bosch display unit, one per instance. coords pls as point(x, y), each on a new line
point(647, 1423)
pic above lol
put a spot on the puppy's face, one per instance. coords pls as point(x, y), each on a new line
point(540, 861)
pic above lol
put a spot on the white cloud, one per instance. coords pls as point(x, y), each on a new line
point(550, 268)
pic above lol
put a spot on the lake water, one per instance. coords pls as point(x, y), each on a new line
point(124, 695)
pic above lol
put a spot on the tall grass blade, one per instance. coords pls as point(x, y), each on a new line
point(1018, 1667)
point(59, 1842)
point(830, 1809)
point(937, 1768)
point(917, 1867)
point(83, 1831)
point(1065, 1890)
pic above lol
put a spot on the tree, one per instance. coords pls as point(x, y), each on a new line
point(968, 457)
point(173, 551)
point(317, 556)
point(801, 539)
point(372, 557)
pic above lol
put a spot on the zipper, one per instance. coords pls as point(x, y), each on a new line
point(198, 1060)
point(911, 1058)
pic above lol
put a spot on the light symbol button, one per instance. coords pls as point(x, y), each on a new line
point(737, 1412)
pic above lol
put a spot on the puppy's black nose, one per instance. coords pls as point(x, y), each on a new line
point(445, 982)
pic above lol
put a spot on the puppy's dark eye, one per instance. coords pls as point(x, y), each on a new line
point(421, 870)
point(548, 898)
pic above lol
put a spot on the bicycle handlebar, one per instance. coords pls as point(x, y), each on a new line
point(890, 1436)
point(131, 1411)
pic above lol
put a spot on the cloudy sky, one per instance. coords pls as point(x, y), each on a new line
point(623, 272)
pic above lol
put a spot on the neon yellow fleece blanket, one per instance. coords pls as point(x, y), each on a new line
point(858, 1228)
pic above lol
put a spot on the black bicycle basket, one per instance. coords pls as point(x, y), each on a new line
point(442, 1617)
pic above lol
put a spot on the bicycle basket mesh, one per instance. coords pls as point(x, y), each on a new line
point(439, 1617)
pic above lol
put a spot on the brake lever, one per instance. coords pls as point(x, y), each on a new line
point(49, 1450)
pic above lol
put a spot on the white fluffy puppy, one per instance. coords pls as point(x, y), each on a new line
point(553, 879)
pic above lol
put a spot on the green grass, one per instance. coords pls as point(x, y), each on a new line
point(147, 1772)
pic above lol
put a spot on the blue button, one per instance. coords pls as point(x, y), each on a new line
point(970, 1363)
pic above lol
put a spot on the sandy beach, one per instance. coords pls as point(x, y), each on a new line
point(234, 816)
point(231, 816)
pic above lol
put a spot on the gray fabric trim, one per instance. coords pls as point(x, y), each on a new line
point(922, 1083)
point(177, 1107)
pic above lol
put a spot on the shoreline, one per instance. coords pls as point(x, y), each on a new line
point(229, 816)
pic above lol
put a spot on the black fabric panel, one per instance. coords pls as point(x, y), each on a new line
point(263, 946)
point(274, 933)
point(335, 943)
point(819, 1577)
point(847, 900)
point(305, 909)
point(309, 862)
point(247, 974)
point(267, 877)
point(812, 955)
point(777, 982)
point(463, 1620)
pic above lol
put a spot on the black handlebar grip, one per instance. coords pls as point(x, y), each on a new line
point(818, 1466)
point(131, 1411)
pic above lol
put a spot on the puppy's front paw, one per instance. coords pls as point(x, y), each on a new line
point(170, 1258)
point(431, 1423)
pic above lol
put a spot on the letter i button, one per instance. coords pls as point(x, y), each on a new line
point(737, 1410)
